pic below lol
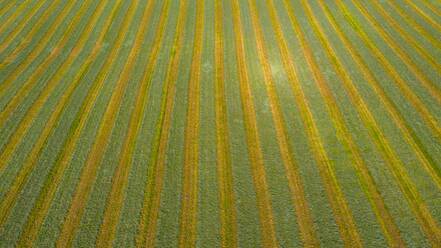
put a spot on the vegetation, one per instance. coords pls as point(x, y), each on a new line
point(220, 123)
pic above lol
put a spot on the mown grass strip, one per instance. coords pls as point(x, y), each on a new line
point(408, 132)
point(224, 169)
point(300, 203)
point(189, 207)
point(50, 187)
point(96, 153)
point(8, 56)
point(394, 74)
point(12, 36)
point(426, 220)
point(424, 15)
point(409, 39)
point(24, 126)
point(8, 6)
point(429, 5)
point(431, 87)
point(38, 49)
point(42, 68)
point(252, 135)
point(366, 180)
point(54, 81)
point(42, 204)
point(411, 21)
point(119, 182)
point(14, 140)
point(339, 205)
point(155, 180)
point(13, 18)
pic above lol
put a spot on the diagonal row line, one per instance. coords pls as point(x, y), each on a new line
point(188, 218)
point(119, 181)
point(95, 155)
point(224, 168)
point(295, 181)
point(146, 236)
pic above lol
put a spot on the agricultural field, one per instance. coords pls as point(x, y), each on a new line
point(220, 123)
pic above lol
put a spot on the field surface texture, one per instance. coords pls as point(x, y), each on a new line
point(220, 123)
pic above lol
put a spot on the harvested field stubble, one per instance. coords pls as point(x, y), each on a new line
point(221, 123)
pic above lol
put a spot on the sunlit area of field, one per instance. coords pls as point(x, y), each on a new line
point(220, 123)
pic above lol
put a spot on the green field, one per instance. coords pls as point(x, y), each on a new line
point(220, 123)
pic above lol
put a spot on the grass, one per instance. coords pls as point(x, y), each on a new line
point(220, 123)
